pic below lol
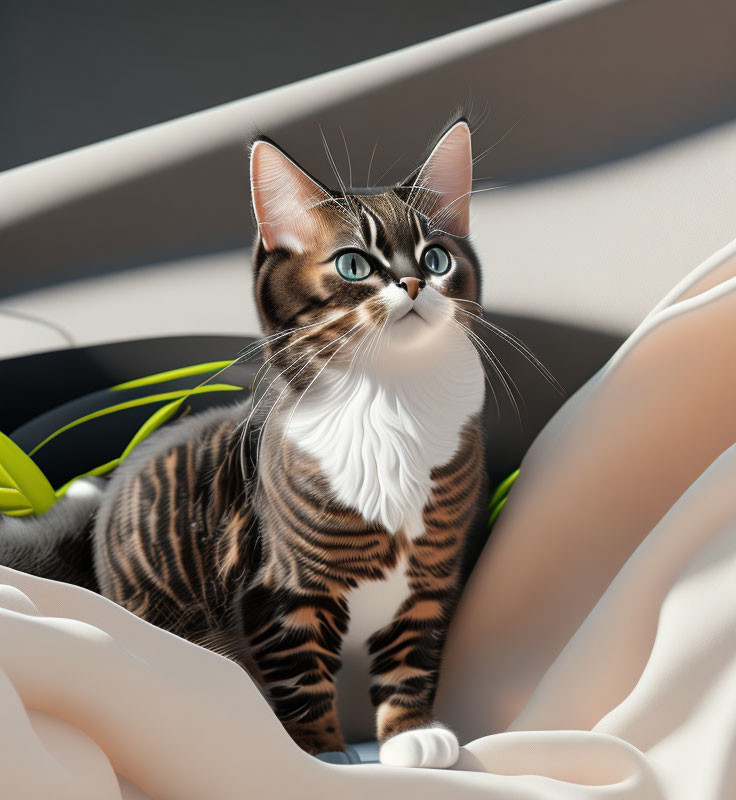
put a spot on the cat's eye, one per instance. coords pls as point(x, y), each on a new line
point(353, 266)
point(437, 260)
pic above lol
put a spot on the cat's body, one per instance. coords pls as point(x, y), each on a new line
point(362, 462)
point(271, 576)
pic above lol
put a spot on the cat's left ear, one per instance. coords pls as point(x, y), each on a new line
point(444, 182)
point(284, 199)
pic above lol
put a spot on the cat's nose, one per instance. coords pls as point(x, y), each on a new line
point(412, 286)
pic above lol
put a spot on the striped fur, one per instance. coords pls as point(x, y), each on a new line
point(231, 530)
point(271, 589)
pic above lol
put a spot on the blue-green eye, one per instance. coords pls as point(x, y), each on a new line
point(353, 266)
point(436, 259)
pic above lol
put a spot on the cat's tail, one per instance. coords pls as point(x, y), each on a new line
point(57, 545)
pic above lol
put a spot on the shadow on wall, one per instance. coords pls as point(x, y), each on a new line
point(559, 98)
point(46, 381)
point(85, 72)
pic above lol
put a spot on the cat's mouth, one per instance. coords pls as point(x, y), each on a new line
point(414, 329)
point(413, 312)
point(415, 323)
point(412, 318)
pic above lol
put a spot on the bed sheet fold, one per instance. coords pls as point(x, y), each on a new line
point(593, 654)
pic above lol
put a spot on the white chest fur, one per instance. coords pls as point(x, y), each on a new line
point(378, 434)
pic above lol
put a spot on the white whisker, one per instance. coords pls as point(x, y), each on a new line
point(330, 158)
point(380, 177)
point(291, 380)
point(497, 142)
point(347, 153)
point(507, 381)
point(309, 385)
point(520, 347)
point(370, 163)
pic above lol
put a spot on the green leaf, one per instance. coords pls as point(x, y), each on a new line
point(139, 401)
point(496, 511)
point(103, 469)
point(12, 500)
point(172, 375)
point(24, 489)
point(499, 497)
point(156, 420)
point(503, 489)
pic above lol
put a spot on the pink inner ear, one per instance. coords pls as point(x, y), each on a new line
point(445, 181)
point(283, 196)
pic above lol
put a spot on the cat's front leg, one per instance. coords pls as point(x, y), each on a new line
point(297, 649)
point(407, 653)
point(322, 735)
point(405, 671)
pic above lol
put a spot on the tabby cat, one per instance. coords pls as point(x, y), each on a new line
point(252, 529)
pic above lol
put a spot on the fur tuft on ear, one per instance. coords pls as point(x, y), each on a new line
point(441, 189)
point(283, 198)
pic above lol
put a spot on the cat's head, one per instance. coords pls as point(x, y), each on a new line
point(380, 272)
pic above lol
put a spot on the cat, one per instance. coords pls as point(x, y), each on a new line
point(252, 529)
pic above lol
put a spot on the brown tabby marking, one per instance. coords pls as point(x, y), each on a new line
point(258, 565)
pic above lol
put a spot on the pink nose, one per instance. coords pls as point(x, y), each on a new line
point(412, 286)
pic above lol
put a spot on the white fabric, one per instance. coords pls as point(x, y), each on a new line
point(599, 627)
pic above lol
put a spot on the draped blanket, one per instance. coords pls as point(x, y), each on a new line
point(593, 653)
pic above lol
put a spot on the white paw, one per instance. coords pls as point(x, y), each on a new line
point(424, 747)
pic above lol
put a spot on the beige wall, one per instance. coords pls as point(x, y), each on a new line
point(610, 121)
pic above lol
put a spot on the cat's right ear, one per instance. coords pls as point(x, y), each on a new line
point(283, 199)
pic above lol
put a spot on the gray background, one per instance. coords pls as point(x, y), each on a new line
point(610, 123)
point(80, 71)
